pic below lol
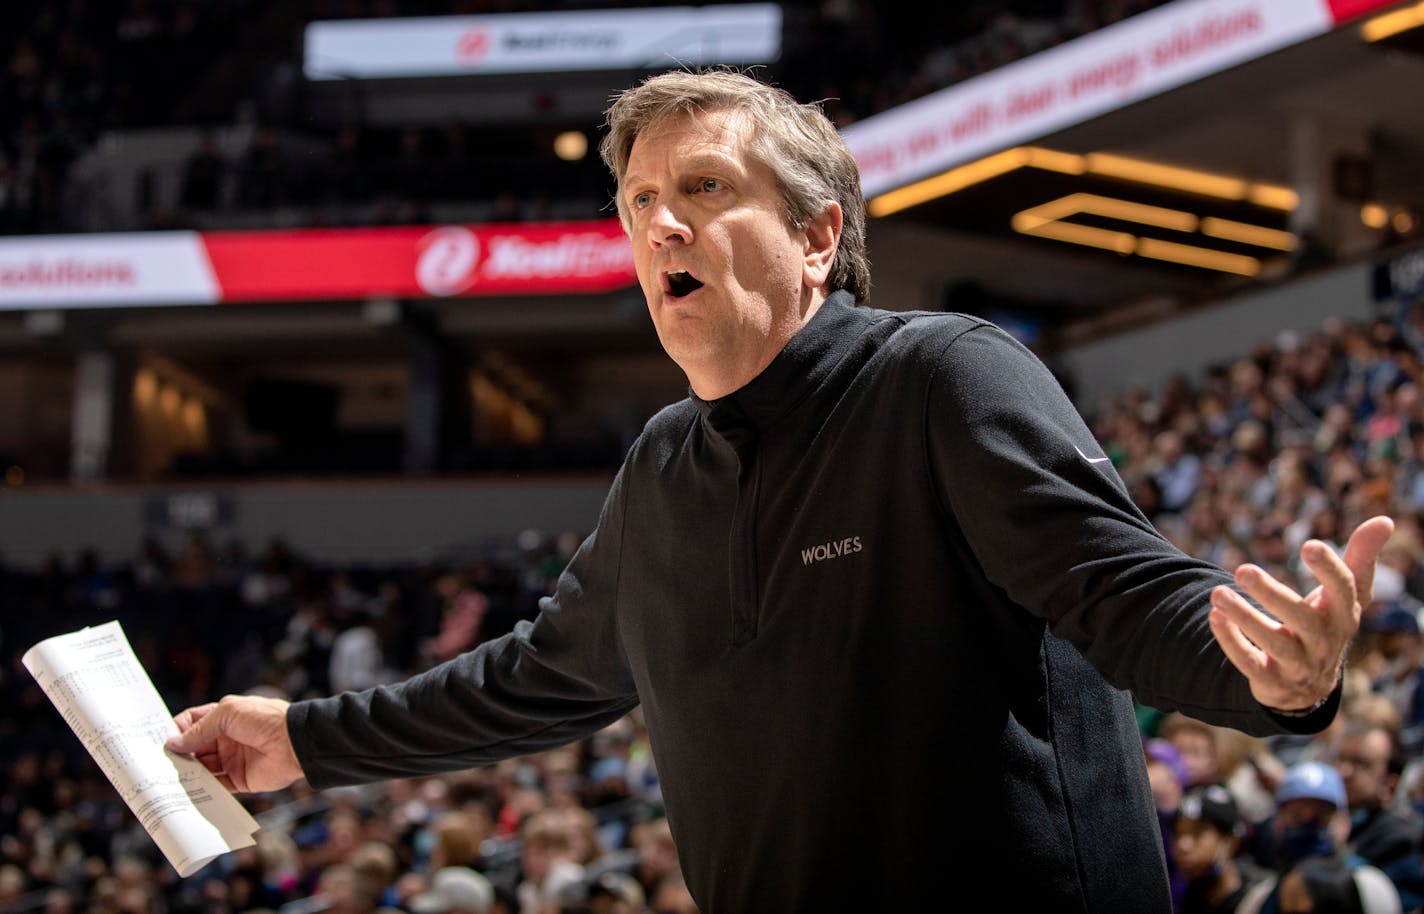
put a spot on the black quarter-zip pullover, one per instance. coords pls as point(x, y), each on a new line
point(881, 608)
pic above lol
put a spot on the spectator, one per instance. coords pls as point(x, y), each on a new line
point(1370, 761)
point(547, 862)
point(1394, 632)
point(1328, 885)
point(672, 896)
point(1206, 841)
point(615, 893)
point(263, 177)
point(203, 175)
point(1167, 775)
point(1177, 472)
point(1312, 822)
point(1312, 817)
point(1195, 743)
point(455, 890)
point(459, 835)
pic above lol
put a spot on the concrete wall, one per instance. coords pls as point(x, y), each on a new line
point(348, 523)
point(1224, 331)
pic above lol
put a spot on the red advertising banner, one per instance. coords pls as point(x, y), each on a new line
point(1345, 10)
point(421, 261)
point(209, 268)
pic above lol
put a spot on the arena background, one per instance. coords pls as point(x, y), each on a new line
point(315, 315)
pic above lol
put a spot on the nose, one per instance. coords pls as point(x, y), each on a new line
point(666, 226)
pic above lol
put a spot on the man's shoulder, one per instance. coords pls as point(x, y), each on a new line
point(932, 332)
point(673, 419)
point(929, 323)
point(662, 434)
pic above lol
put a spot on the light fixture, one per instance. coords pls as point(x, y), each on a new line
point(571, 145)
point(1374, 215)
point(195, 418)
point(1194, 256)
point(169, 400)
point(1073, 233)
point(1246, 233)
point(1183, 179)
point(949, 182)
point(1108, 165)
point(1048, 220)
point(145, 388)
point(1392, 23)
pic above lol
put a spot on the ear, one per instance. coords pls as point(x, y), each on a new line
point(823, 237)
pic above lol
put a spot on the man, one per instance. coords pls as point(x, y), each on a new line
point(1393, 632)
point(455, 890)
point(1370, 761)
point(1206, 840)
point(1312, 822)
point(859, 580)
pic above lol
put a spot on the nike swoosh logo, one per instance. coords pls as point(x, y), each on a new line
point(1091, 459)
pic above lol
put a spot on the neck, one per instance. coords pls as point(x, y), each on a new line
point(714, 381)
point(1229, 882)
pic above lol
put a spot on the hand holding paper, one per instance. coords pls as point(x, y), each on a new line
point(242, 740)
point(98, 686)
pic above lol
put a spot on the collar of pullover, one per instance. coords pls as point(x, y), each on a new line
point(798, 369)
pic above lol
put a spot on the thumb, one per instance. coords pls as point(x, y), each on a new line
point(1361, 552)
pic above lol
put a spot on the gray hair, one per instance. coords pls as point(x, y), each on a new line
point(797, 142)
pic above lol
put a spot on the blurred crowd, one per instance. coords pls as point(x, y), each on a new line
point(1302, 438)
point(575, 829)
point(75, 71)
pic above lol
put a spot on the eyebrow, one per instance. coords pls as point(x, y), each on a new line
point(705, 162)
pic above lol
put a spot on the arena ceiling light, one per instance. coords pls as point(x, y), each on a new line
point(1122, 204)
point(1393, 23)
point(1051, 220)
point(1124, 168)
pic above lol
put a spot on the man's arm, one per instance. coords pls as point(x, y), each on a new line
point(1053, 526)
point(242, 739)
point(547, 683)
point(1294, 655)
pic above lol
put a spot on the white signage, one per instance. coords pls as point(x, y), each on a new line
point(139, 268)
point(1150, 53)
point(648, 38)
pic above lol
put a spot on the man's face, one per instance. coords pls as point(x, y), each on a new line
point(1363, 763)
point(700, 204)
point(1198, 846)
point(1198, 752)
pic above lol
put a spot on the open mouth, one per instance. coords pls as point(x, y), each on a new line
point(681, 282)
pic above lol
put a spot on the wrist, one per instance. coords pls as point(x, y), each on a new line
point(1306, 712)
point(1300, 712)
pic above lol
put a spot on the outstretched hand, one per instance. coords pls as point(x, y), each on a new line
point(1293, 661)
point(242, 739)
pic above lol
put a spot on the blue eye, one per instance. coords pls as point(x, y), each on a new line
point(642, 200)
point(710, 184)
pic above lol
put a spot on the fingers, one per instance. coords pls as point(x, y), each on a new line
point(1243, 654)
point(1361, 552)
point(1270, 636)
point(191, 716)
point(197, 729)
point(1338, 584)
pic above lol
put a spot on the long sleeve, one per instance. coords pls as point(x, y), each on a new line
point(547, 683)
point(1052, 525)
